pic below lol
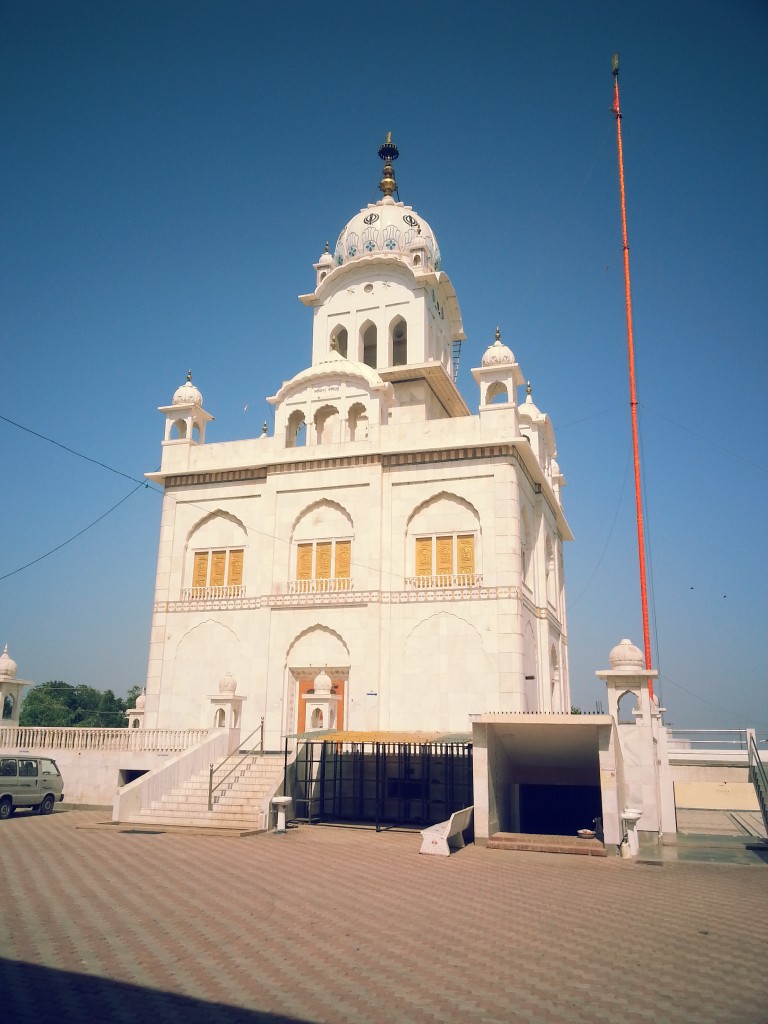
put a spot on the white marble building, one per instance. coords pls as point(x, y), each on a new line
point(386, 535)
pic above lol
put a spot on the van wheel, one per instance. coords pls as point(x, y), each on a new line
point(47, 805)
point(6, 808)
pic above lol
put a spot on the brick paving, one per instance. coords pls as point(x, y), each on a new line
point(339, 925)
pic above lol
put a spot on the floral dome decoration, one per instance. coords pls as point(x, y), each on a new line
point(625, 657)
point(187, 394)
point(498, 354)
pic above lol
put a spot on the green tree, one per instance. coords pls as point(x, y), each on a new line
point(56, 703)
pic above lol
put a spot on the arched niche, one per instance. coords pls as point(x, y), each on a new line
point(497, 393)
point(626, 704)
point(322, 520)
point(218, 529)
point(327, 425)
point(357, 422)
point(369, 342)
point(340, 340)
point(526, 545)
point(296, 430)
point(399, 333)
point(554, 678)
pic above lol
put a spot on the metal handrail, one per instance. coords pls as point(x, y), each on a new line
point(696, 737)
point(759, 778)
point(249, 753)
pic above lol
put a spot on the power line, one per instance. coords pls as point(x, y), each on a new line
point(79, 533)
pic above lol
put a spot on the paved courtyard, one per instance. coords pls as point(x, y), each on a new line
point(342, 925)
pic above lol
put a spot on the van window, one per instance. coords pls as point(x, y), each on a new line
point(28, 769)
point(48, 767)
point(8, 766)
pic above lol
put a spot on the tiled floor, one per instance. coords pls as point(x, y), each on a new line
point(342, 925)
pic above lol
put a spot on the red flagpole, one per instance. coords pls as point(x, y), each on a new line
point(632, 386)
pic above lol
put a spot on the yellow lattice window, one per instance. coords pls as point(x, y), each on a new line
point(235, 576)
point(343, 559)
point(200, 570)
point(447, 560)
point(465, 554)
point(304, 562)
point(423, 556)
point(218, 568)
point(318, 563)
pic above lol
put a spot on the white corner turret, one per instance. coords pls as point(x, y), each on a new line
point(185, 417)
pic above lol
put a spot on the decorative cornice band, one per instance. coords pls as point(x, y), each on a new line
point(343, 599)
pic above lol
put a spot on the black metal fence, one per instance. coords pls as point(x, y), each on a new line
point(386, 784)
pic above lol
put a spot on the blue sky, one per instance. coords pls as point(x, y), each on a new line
point(171, 170)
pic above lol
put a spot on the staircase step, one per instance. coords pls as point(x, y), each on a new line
point(522, 841)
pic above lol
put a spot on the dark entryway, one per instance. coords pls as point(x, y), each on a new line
point(558, 810)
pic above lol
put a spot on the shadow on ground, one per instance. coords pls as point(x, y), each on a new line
point(46, 996)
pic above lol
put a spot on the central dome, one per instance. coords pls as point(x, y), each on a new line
point(386, 227)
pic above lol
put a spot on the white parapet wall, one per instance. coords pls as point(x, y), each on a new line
point(94, 762)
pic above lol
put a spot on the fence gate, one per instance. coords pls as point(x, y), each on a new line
point(386, 784)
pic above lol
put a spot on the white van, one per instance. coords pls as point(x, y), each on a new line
point(34, 782)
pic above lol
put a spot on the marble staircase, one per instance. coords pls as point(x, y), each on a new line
point(240, 803)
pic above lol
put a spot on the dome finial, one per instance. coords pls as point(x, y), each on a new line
point(189, 376)
point(388, 152)
point(326, 247)
point(264, 429)
point(528, 389)
point(498, 335)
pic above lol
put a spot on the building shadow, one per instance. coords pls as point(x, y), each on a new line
point(48, 996)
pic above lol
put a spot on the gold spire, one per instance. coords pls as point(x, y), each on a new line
point(264, 429)
point(528, 389)
point(498, 336)
point(326, 247)
point(388, 152)
point(189, 376)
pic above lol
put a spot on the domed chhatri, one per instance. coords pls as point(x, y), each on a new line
point(386, 226)
point(8, 666)
point(187, 394)
point(323, 683)
point(625, 657)
point(227, 684)
point(498, 354)
point(141, 700)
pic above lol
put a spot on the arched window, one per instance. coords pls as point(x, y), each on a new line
point(339, 339)
point(196, 432)
point(215, 558)
point(550, 572)
point(497, 392)
point(296, 433)
point(625, 707)
point(369, 345)
point(322, 550)
point(525, 550)
point(327, 425)
point(317, 719)
point(220, 718)
point(179, 429)
point(8, 706)
point(443, 544)
point(554, 669)
point(399, 342)
point(357, 422)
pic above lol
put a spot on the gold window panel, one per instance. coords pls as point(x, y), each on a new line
point(235, 577)
point(218, 568)
point(444, 556)
point(423, 556)
point(343, 559)
point(323, 561)
point(200, 569)
point(465, 555)
point(304, 562)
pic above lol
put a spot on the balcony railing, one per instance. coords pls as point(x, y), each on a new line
point(336, 586)
point(80, 738)
point(445, 581)
point(212, 593)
